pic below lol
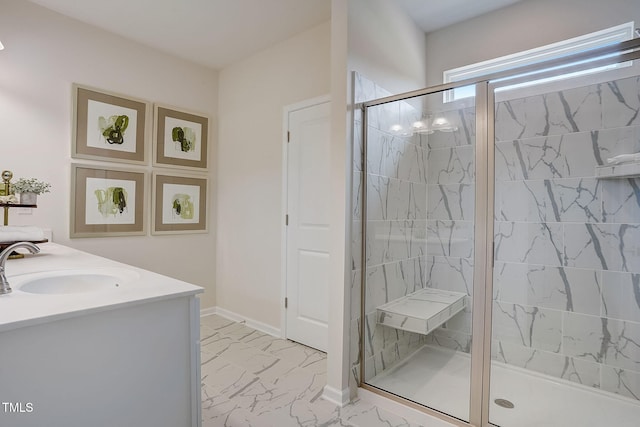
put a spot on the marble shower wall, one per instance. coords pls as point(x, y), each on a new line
point(567, 270)
point(396, 227)
point(450, 213)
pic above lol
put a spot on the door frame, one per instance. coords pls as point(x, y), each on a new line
point(286, 111)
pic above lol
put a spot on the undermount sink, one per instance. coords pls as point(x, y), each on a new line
point(73, 281)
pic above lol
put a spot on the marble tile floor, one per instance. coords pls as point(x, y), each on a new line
point(253, 379)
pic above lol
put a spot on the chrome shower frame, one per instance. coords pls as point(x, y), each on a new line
point(482, 298)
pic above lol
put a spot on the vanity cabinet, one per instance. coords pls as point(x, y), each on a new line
point(130, 361)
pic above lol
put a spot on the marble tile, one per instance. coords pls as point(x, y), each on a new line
point(464, 122)
point(421, 140)
point(389, 241)
point(549, 200)
point(388, 282)
point(293, 356)
point(218, 410)
point(228, 377)
point(450, 273)
point(534, 243)
point(621, 381)
point(450, 238)
point(450, 339)
point(356, 245)
point(240, 332)
point(463, 321)
point(375, 416)
point(621, 200)
point(218, 344)
point(621, 295)
point(598, 339)
point(391, 345)
point(249, 359)
point(556, 365)
point(556, 113)
point(392, 199)
point(533, 158)
point(364, 89)
point(218, 323)
point(451, 201)
point(395, 157)
point(372, 366)
point(604, 246)
point(235, 396)
point(356, 293)
point(356, 196)
point(357, 146)
point(532, 327)
point(378, 337)
point(451, 165)
point(389, 116)
point(560, 288)
point(571, 155)
point(621, 102)
point(354, 344)
point(261, 341)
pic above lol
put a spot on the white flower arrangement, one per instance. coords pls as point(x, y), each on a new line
point(31, 185)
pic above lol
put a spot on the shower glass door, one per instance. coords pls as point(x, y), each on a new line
point(420, 172)
point(566, 276)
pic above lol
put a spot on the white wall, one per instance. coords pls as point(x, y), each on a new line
point(521, 26)
point(47, 52)
point(386, 46)
point(376, 39)
point(336, 389)
point(253, 93)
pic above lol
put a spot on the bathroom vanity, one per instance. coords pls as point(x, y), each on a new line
point(86, 341)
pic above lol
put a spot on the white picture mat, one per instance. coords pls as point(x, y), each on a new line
point(97, 109)
point(92, 212)
point(172, 148)
point(168, 193)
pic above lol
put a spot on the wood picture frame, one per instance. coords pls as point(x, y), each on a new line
point(109, 126)
point(181, 138)
point(107, 202)
point(179, 204)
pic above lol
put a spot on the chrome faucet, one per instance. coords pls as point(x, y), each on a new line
point(4, 283)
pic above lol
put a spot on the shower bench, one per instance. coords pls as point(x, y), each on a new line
point(422, 311)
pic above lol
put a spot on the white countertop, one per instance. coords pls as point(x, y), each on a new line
point(19, 309)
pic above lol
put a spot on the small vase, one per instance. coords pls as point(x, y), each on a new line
point(28, 198)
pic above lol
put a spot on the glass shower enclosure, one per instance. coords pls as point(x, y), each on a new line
point(500, 258)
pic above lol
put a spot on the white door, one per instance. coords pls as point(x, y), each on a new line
point(307, 281)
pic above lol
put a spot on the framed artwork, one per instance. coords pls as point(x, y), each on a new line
point(108, 126)
point(180, 138)
point(107, 202)
point(179, 204)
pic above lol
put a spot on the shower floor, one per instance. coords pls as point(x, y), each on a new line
point(439, 378)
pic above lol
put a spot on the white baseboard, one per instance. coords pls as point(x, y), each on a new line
point(335, 396)
point(207, 311)
point(255, 324)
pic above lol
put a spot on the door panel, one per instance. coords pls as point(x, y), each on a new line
point(308, 229)
point(420, 221)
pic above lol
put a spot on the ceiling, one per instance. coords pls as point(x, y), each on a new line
point(216, 33)
point(433, 15)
